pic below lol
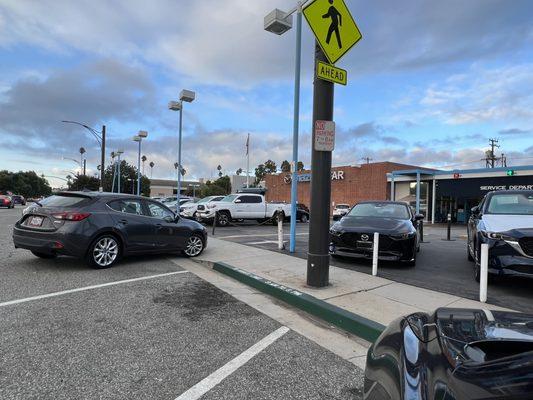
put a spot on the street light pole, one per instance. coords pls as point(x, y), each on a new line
point(279, 22)
point(140, 136)
point(185, 96)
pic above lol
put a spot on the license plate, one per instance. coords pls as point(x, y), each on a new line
point(364, 245)
point(36, 221)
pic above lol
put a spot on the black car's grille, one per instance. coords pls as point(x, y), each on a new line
point(200, 207)
point(527, 245)
point(351, 238)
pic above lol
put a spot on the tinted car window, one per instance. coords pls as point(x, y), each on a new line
point(515, 203)
point(380, 210)
point(65, 201)
point(250, 199)
point(158, 211)
point(127, 206)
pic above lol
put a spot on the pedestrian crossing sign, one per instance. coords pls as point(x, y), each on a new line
point(333, 26)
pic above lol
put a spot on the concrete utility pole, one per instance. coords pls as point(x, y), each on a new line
point(318, 255)
point(102, 161)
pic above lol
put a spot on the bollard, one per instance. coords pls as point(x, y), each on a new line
point(375, 253)
point(449, 234)
point(215, 220)
point(281, 245)
point(421, 227)
point(484, 273)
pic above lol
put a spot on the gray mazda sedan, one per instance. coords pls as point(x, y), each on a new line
point(103, 227)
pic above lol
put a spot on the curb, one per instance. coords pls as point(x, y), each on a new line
point(345, 320)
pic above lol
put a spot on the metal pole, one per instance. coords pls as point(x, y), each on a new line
point(484, 272)
point(84, 167)
point(296, 120)
point(215, 220)
point(418, 192)
point(179, 156)
point(139, 170)
point(114, 175)
point(392, 188)
point(118, 175)
point(279, 216)
point(375, 254)
point(449, 233)
point(248, 163)
point(102, 161)
point(421, 228)
point(318, 255)
point(434, 201)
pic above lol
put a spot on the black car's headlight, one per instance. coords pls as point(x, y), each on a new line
point(335, 231)
point(496, 236)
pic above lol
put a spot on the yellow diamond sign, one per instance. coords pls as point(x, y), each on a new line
point(333, 26)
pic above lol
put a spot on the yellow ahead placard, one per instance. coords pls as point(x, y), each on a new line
point(333, 26)
point(330, 73)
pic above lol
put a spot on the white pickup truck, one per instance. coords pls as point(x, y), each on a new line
point(241, 206)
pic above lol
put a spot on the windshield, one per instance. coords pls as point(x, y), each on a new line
point(205, 200)
point(64, 201)
point(229, 199)
point(511, 203)
point(380, 210)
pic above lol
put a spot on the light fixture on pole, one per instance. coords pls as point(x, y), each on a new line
point(279, 22)
point(101, 139)
point(139, 138)
point(185, 96)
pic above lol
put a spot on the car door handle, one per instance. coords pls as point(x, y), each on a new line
point(123, 221)
point(159, 226)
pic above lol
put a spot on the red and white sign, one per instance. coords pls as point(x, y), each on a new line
point(324, 135)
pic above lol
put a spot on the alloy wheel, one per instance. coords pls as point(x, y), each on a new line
point(194, 247)
point(105, 251)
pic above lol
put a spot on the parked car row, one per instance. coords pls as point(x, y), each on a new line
point(9, 201)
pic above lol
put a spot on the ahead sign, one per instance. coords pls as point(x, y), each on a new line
point(324, 135)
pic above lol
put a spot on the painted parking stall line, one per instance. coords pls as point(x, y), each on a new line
point(208, 383)
point(82, 289)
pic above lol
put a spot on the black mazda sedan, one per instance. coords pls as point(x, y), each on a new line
point(353, 235)
point(103, 227)
point(453, 354)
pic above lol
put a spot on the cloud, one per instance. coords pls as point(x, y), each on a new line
point(514, 131)
point(482, 95)
point(32, 109)
point(212, 42)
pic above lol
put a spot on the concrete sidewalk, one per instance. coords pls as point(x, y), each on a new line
point(380, 300)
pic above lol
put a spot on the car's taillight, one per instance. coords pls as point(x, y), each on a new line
point(71, 216)
point(6, 201)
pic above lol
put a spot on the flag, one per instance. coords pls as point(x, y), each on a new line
point(248, 144)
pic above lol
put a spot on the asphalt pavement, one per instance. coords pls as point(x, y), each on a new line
point(149, 329)
point(441, 265)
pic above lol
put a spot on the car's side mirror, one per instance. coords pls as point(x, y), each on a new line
point(475, 210)
point(238, 201)
point(419, 217)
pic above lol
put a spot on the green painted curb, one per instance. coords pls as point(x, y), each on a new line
point(348, 321)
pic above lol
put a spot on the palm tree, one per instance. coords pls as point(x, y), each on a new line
point(151, 169)
point(239, 171)
point(143, 159)
point(82, 151)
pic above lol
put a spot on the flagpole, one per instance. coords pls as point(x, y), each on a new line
point(248, 162)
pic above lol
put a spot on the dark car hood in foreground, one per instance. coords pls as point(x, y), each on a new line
point(375, 224)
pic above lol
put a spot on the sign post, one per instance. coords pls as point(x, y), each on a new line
point(336, 33)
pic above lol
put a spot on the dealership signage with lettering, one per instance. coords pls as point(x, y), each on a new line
point(335, 176)
point(489, 188)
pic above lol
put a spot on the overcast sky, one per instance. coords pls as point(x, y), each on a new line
point(429, 84)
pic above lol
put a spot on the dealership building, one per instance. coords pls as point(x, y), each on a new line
point(434, 193)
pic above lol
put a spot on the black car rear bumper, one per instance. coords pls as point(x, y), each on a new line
point(50, 242)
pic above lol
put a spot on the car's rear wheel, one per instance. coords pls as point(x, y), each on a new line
point(104, 252)
point(194, 247)
point(44, 255)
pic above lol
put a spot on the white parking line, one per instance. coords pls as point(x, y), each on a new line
point(45, 296)
point(263, 235)
point(205, 385)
